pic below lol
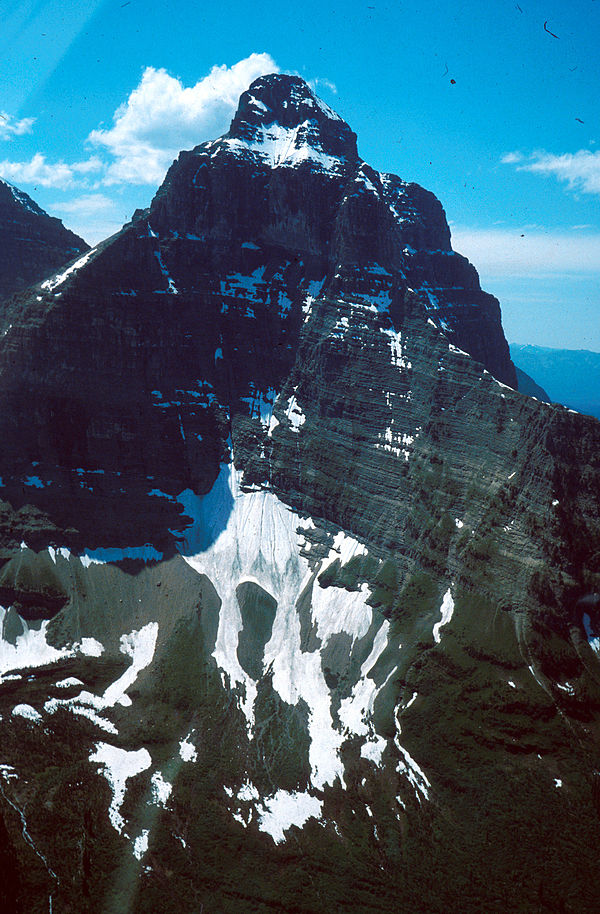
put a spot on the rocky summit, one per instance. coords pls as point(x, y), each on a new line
point(299, 595)
point(32, 243)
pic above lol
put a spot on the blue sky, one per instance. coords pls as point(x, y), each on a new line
point(494, 107)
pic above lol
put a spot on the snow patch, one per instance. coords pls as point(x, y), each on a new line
point(398, 443)
point(236, 283)
point(119, 765)
point(395, 338)
point(161, 789)
point(248, 793)
point(239, 536)
point(314, 290)
point(416, 776)
point(373, 748)
point(34, 481)
point(286, 809)
point(146, 553)
point(279, 146)
point(356, 711)
point(140, 845)
point(295, 415)
point(260, 404)
point(59, 278)
point(447, 611)
point(565, 687)
point(187, 750)
point(30, 648)
point(90, 647)
point(140, 646)
point(27, 712)
point(68, 683)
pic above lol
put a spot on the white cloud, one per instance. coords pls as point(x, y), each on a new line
point(9, 127)
point(48, 174)
point(580, 170)
point(87, 205)
point(321, 81)
point(92, 216)
point(162, 116)
point(512, 158)
point(514, 252)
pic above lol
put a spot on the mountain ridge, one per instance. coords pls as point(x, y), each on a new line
point(571, 376)
point(300, 592)
point(32, 243)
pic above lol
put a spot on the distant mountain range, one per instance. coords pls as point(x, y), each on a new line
point(570, 376)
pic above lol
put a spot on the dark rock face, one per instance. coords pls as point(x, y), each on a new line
point(241, 232)
point(303, 591)
point(32, 243)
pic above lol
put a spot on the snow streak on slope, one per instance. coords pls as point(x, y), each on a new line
point(51, 284)
point(140, 646)
point(118, 766)
point(253, 537)
point(287, 146)
point(30, 648)
point(447, 611)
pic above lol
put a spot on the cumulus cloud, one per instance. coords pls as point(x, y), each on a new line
point(9, 127)
point(37, 170)
point(162, 116)
point(524, 252)
point(579, 170)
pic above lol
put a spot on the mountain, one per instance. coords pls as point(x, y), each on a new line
point(32, 243)
point(528, 386)
point(571, 376)
point(301, 595)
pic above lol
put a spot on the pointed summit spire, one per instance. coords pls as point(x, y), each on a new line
point(285, 108)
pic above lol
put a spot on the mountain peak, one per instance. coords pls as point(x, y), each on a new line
point(282, 99)
point(32, 243)
point(284, 108)
point(12, 195)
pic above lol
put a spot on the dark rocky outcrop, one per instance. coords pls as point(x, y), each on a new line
point(32, 243)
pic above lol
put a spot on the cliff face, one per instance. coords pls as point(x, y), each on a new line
point(32, 243)
point(243, 231)
point(300, 592)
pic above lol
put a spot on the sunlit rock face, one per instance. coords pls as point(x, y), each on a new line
point(32, 243)
point(299, 595)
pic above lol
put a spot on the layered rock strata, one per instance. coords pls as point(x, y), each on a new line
point(303, 593)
